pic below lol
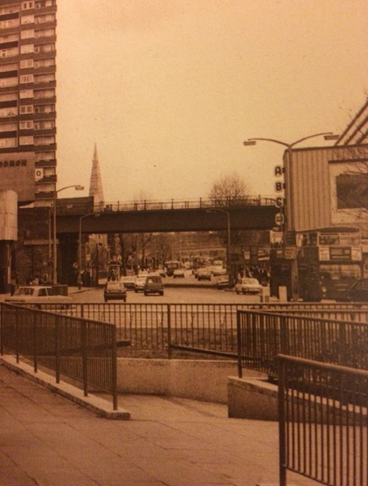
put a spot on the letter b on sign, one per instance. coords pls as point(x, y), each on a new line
point(279, 186)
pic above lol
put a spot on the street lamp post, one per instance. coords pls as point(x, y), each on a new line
point(289, 222)
point(228, 238)
point(80, 245)
point(77, 187)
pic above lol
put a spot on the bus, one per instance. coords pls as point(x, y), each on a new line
point(329, 260)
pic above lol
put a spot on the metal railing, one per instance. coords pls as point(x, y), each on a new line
point(263, 335)
point(164, 328)
point(169, 204)
point(81, 349)
point(356, 315)
point(323, 422)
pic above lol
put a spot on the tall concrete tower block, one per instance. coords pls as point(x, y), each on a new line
point(95, 187)
point(28, 99)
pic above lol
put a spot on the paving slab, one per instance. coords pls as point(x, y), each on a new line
point(47, 440)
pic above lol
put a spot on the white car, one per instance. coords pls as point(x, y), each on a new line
point(217, 271)
point(223, 282)
point(140, 283)
point(204, 273)
point(25, 294)
point(179, 272)
point(248, 286)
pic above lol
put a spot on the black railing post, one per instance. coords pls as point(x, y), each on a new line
point(114, 371)
point(169, 353)
point(82, 311)
point(57, 350)
point(2, 330)
point(239, 332)
point(254, 338)
point(282, 421)
point(35, 342)
point(342, 343)
point(284, 347)
point(17, 335)
point(84, 358)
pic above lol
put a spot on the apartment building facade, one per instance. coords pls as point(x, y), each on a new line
point(28, 99)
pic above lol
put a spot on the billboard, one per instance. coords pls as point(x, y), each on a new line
point(17, 173)
point(349, 191)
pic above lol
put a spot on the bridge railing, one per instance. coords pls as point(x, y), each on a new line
point(323, 416)
point(81, 349)
point(170, 204)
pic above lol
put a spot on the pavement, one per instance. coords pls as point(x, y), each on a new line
point(47, 440)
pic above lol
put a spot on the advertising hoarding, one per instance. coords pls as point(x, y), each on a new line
point(17, 173)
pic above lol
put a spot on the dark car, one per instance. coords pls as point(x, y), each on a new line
point(154, 285)
point(358, 292)
point(114, 291)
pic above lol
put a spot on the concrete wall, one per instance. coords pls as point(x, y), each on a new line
point(252, 399)
point(8, 216)
point(199, 380)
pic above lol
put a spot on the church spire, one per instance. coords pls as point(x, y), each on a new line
point(95, 187)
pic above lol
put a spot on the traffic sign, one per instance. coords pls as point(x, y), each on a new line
point(290, 253)
point(279, 219)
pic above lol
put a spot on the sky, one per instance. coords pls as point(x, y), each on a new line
point(170, 89)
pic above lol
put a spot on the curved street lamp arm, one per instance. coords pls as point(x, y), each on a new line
point(310, 136)
point(290, 145)
point(67, 187)
point(271, 140)
point(86, 215)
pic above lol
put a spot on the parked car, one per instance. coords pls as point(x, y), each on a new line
point(115, 290)
point(128, 282)
point(179, 273)
point(217, 271)
point(248, 286)
point(139, 283)
point(223, 282)
point(36, 294)
point(358, 291)
point(204, 274)
point(154, 285)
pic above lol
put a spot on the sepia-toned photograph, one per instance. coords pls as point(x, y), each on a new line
point(183, 242)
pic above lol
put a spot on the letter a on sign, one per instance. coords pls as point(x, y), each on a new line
point(278, 171)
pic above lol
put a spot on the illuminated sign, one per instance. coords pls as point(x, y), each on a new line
point(340, 253)
point(17, 173)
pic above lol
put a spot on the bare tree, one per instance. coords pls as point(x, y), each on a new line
point(229, 188)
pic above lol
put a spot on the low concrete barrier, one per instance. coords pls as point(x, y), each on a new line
point(198, 380)
point(252, 398)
